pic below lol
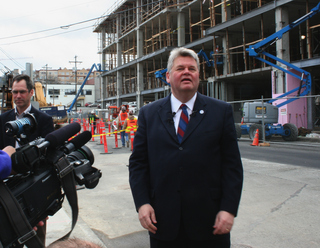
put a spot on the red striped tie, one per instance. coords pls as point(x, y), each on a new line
point(183, 122)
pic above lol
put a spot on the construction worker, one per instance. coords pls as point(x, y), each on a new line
point(92, 119)
point(121, 120)
point(130, 124)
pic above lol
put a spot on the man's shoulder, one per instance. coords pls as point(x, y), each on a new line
point(211, 100)
point(156, 104)
point(39, 113)
point(6, 114)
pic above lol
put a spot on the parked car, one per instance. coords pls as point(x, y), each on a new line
point(87, 104)
point(94, 105)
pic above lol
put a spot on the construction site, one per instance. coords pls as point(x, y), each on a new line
point(136, 37)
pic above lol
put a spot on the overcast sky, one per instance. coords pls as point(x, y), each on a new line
point(19, 18)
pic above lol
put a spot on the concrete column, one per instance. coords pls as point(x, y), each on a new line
point(223, 91)
point(139, 85)
point(225, 12)
point(139, 97)
point(181, 29)
point(103, 68)
point(282, 47)
point(119, 60)
point(139, 33)
point(216, 90)
point(226, 41)
point(225, 57)
point(119, 72)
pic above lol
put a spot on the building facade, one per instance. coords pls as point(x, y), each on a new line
point(63, 76)
point(138, 35)
point(60, 94)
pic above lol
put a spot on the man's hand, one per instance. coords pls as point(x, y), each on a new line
point(41, 223)
point(147, 218)
point(223, 223)
point(9, 150)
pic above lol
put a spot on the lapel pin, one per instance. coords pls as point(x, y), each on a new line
point(201, 112)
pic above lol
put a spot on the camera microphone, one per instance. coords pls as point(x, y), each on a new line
point(58, 137)
point(26, 124)
point(77, 142)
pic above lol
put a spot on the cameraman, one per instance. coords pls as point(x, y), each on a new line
point(5, 161)
point(22, 92)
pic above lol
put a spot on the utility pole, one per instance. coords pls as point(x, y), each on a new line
point(46, 67)
point(75, 74)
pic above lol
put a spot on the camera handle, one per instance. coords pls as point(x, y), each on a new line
point(64, 169)
point(17, 219)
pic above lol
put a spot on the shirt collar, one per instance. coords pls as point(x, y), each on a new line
point(175, 103)
point(23, 113)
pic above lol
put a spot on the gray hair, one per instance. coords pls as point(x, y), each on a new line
point(184, 52)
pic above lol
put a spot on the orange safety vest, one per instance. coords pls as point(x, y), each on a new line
point(131, 124)
point(123, 117)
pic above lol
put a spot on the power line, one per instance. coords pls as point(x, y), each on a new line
point(76, 23)
point(51, 29)
point(15, 42)
point(12, 59)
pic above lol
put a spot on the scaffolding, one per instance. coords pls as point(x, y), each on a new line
point(136, 37)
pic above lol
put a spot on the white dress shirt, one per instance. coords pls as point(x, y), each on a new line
point(175, 106)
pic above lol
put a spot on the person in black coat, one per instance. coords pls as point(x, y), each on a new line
point(22, 91)
point(186, 192)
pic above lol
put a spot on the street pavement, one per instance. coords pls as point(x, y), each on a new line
point(279, 206)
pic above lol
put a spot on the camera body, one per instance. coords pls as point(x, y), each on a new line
point(39, 195)
point(38, 190)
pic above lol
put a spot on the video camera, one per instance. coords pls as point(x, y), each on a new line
point(44, 167)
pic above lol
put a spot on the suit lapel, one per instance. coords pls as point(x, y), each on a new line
point(198, 113)
point(165, 114)
point(11, 117)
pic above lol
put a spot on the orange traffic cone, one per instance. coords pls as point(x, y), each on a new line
point(256, 139)
point(242, 120)
point(132, 137)
point(105, 145)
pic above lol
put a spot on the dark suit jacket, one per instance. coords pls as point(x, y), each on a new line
point(192, 181)
point(45, 126)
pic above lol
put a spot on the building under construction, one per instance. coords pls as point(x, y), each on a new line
point(136, 37)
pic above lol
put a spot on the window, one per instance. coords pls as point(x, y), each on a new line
point(54, 92)
point(87, 92)
point(70, 92)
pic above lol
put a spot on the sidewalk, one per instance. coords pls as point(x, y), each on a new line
point(279, 206)
point(60, 224)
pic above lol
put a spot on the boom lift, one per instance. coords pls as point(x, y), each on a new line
point(252, 112)
point(98, 68)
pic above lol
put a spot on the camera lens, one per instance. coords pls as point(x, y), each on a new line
point(83, 153)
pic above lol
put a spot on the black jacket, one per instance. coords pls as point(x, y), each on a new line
point(45, 126)
point(191, 181)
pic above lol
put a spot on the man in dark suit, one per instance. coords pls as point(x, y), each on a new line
point(22, 91)
point(186, 192)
